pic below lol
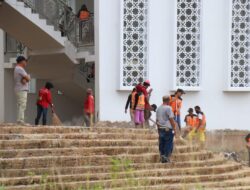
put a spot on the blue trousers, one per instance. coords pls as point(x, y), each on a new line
point(166, 143)
point(177, 118)
point(41, 112)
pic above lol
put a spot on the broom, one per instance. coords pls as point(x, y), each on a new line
point(55, 119)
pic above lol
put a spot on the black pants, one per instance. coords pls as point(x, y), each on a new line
point(41, 112)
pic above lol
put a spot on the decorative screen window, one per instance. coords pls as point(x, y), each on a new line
point(188, 43)
point(134, 29)
point(240, 43)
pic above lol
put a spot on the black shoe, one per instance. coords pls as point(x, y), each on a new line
point(164, 159)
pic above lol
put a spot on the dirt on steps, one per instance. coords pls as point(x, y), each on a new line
point(108, 156)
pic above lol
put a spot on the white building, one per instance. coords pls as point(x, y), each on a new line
point(201, 46)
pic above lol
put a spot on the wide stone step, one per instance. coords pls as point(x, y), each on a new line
point(81, 135)
point(232, 188)
point(241, 182)
point(53, 129)
point(16, 153)
point(66, 143)
point(237, 183)
point(59, 161)
point(132, 181)
point(63, 143)
point(107, 167)
point(126, 172)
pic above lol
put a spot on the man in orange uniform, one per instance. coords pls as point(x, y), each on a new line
point(190, 120)
point(248, 147)
point(176, 104)
point(200, 128)
point(83, 15)
point(130, 103)
point(89, 108)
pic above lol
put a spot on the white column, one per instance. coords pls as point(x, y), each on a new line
point(97, 61)
point(1, 76)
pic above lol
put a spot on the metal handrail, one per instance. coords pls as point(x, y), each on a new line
point(60, 15)
point(13, 46)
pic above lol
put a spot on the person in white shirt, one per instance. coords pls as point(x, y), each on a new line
point(21, 79)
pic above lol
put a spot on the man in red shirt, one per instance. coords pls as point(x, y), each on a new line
point(89, 108)
point(43, 103)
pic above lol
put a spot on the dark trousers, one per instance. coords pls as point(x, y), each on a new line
point(41, 112)
point(166, 143)
point(177, 118)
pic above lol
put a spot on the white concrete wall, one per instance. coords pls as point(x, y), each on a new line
point(223, 109)
point(97, 60)
point(1, 76)
point(67, 109)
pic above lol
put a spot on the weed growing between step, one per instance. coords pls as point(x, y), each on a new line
point(118, 165)
point(2, 187)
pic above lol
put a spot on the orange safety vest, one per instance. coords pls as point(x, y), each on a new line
point(191, 121)
point(176, 105)
point(84, 15)
point(141, 102)
point(133, 99)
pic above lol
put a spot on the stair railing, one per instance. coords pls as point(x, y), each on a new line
point(83, 77)
point(12, 46)
point(58, 14)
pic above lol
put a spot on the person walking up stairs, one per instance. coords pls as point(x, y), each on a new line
point(166, 129)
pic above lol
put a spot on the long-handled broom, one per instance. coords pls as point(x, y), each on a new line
point(55, 119)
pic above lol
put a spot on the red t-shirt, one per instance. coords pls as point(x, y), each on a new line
point(44, 99)
point(89, 105)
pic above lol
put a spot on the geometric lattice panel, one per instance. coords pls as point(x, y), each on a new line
point(240, 43)
point(134, 56)
point(188, 43)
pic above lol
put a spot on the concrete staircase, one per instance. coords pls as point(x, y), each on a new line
point(107, 158)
